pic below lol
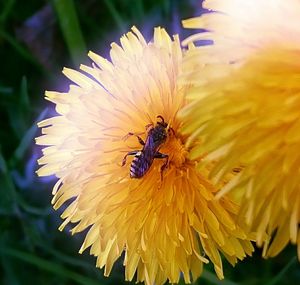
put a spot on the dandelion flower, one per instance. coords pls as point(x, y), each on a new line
point(238, 28)
point(249, 116)
point(164, 223)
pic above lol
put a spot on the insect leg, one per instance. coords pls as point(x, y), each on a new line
point(138, 137)
point(149, 127)
point(165, 165)
point(172, 130)
point(134, 152)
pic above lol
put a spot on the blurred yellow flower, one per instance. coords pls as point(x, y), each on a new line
point(165, 222)
point(238, 28)
point(248, 114)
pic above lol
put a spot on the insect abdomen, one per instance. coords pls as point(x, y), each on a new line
point(140, 165)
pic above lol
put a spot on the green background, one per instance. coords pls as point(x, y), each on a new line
point(37, 39)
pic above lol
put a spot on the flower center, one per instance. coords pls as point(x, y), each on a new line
point(175, 149)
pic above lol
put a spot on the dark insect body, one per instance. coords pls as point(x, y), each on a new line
point(143, 158)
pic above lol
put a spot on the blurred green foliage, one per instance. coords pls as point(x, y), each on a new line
point(38, 38)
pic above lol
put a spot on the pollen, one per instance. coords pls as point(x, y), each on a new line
point(176, 151)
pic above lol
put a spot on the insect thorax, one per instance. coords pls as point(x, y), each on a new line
point(158, 134)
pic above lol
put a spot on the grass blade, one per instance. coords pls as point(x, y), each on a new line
point(8, 6)
point(68, 20)
point(7, 188)
point(280, 275)
point(10, 275)
point(116, 15)
point(20, 49)
point(49, 266)
point(24, 97)
point(28, 137)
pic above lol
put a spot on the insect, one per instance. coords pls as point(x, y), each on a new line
point(143, 158)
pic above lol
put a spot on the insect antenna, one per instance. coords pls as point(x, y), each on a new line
point(162, 123)
point(162, 119)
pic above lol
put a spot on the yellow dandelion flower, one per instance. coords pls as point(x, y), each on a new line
point(249, 115)
point(238, 28)
point(166, 222)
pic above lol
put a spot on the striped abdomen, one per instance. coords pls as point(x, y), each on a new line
point(140, 164)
